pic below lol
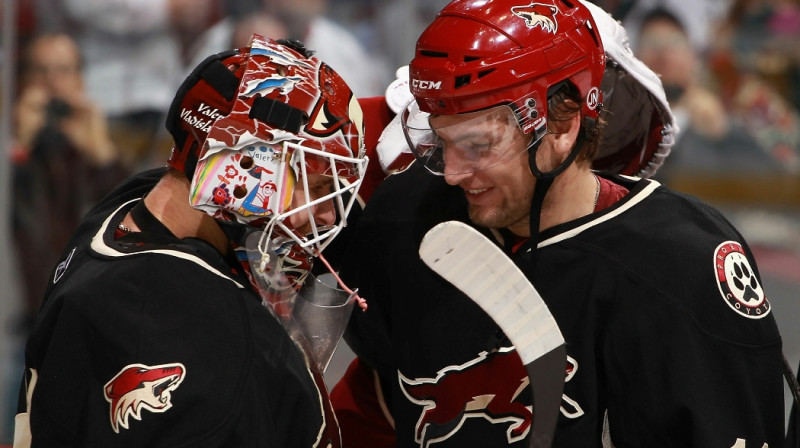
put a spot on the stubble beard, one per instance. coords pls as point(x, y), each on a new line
point(505, 214)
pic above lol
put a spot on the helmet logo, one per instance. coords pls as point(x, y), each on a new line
point(593, 98)
point(421, 84)
point(538, 14)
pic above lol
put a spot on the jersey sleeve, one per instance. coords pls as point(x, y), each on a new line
point(686, 348)
point(361, 410)
point(133, 359)
point(720, 384)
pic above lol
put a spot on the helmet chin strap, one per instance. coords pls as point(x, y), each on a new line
point(543, 182)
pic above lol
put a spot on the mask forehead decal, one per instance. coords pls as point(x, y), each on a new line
point(278, 54)
point(268, 85)
point(337, 113)
point(261, 79)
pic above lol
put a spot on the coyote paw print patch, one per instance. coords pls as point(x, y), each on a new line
point(737, 282)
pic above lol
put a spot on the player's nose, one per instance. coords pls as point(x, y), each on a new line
point(456, 166)
point(325, 213)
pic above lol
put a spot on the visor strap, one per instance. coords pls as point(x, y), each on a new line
point(221, 79)
point(216, 74)
point(543, 182)
point(190, 160)
point(573, 154)
point(278, 114)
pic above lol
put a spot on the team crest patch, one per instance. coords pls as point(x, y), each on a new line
point(737, 282)
point(538, 14)
point(138, 387)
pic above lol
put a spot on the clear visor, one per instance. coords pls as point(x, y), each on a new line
point(466, 143)
point(314, 314)
point(322, 311)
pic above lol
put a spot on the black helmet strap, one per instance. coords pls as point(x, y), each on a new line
point(543, 182)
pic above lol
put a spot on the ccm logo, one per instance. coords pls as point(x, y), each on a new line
point(420, 84)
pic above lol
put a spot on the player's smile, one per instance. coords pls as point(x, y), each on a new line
point(486, 157)
point(477, 195)
point(484, 198)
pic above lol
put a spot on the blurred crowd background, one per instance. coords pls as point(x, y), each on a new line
point(86, 84)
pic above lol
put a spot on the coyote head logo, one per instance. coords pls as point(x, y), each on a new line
point(538, 14)
point(139, 386)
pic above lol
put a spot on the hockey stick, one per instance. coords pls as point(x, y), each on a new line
point(476, 266)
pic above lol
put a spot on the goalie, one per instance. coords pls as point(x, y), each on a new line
point(177, 315)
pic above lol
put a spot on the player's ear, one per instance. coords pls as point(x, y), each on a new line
point(564, 136)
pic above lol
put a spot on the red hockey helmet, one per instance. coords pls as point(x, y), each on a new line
point(478, 54)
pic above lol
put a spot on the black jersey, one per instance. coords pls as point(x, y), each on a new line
point(670, 337)
point(150, 340)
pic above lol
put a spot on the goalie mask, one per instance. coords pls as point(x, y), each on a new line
point(251, 124)
point(269, 136)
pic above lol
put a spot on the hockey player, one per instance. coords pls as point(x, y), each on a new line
point(670, 337)
point(172, 318)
